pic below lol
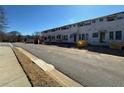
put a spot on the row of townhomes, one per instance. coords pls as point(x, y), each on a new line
point(97, 31)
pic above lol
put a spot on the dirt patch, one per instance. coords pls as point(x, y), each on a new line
point(36, 75)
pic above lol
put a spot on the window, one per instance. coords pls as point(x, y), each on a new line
point(53, 37)
point(83, 36)
point(49, 37)
point(111, 35)
point(64, 27)
point(93, 21)
point(112, 18)
point(58, 37)
point(45, 38)
point(74, 25)
point(79, 36)
point(95, 35)
point(71, 35)
point(62, 37)
point(101, 19)
point(80, 24)
point(87, 23)
point(87, 36)
point(118, 35)
point(69, 26)
point(52, 30)
point(66, 37)
point(119, 18)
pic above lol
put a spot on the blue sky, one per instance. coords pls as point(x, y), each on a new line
point(28, 19)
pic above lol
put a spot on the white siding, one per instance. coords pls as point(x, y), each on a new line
point(103, 26)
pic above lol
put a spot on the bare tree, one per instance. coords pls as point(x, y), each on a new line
point(14, 36)
point(2, 36)
point(2, 24)
point(36, 36)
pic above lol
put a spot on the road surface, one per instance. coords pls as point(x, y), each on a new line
point(88, 68)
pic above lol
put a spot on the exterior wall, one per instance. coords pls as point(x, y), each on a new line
point(97, 27)
point(103, 26)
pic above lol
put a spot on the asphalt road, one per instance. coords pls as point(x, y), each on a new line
point(88, 68)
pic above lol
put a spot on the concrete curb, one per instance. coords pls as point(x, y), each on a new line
point(51, 71)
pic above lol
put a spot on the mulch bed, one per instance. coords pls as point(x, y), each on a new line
point(35, 74)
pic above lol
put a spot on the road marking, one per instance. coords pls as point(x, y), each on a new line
point(11, 45)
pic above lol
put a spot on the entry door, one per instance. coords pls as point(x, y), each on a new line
point(102, 37)
point(75, 36)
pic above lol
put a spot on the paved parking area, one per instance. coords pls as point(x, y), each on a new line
point(86, 67)
point(11, 73)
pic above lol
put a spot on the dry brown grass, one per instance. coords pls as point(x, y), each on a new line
point(35, 74)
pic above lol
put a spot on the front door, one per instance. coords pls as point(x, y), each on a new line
point(75, 36)
point(102, 37)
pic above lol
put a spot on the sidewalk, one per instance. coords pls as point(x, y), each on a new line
point(11, 73)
